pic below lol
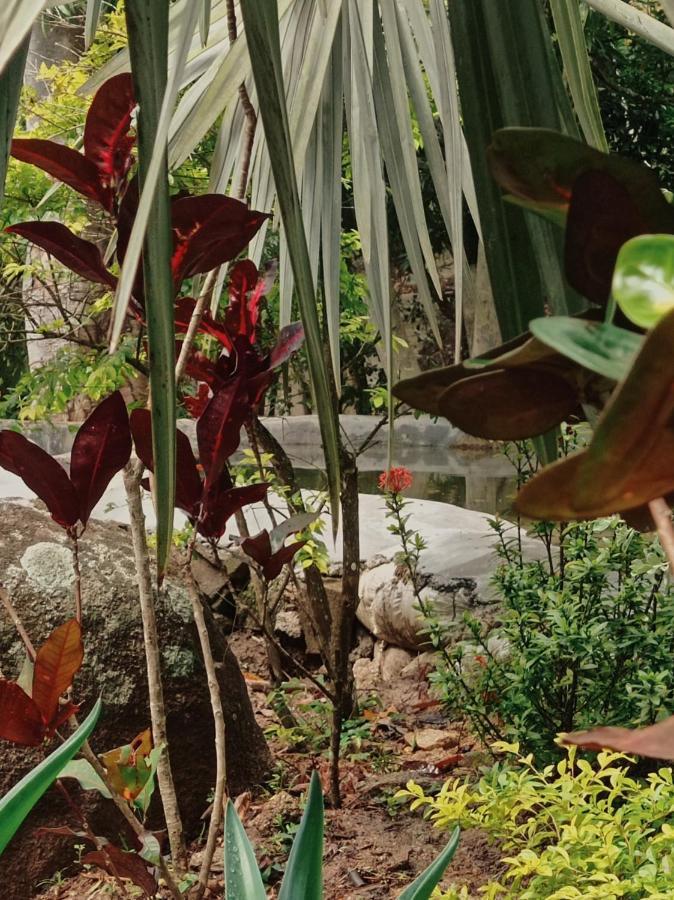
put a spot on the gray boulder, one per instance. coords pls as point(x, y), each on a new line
point(36, 570)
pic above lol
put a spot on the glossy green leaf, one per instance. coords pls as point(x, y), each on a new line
point(242, 875)
point(303, 879)
point(262, 29)
point(11, 80)
point(18, 802)
point(86, 776)
point(425, 884)
point(643, 281)
point(600, 347)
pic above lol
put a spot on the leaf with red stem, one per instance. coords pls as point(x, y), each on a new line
point(188, 482)
point(218, 429)
point(210, 230)
point(259, 548)
point(20, 719)
point(107, 142)
point(220, 505)
point(246, 290)
point(56, 663)
point(183, 315)
point(195, 404)
point(80, 256)
point(102, 448)
point(64, 164)
point(42, 474)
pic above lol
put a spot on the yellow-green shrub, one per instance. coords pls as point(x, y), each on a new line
point(569, 830)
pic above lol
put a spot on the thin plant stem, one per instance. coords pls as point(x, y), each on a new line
point(18, 624)
point(662, 517)
point(78, 578)
point(219, 725)
point(199, 308)
point(132, 477)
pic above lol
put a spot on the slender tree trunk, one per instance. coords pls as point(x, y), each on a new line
point(132, 477)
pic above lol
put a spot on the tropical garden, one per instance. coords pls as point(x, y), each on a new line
point(337, 449)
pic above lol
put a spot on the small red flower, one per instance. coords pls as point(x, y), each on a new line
point(396, 480)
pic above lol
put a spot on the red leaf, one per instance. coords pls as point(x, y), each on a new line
point(195, 404)
point(221, 505)
point(259, 550)
point(102, 447)
point(107, 142)
point(290, 339)
point(188, 482)
point(218, 429)
point(119, 863)
point(209, 230)
point(246, 289)
point(42, 474)
point(656, 741)
point(64, 164)
point(56, 663)
point(80, 256)
point(20, 719)
point(183, 314)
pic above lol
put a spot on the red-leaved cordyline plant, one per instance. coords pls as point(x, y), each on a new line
point(208, 231)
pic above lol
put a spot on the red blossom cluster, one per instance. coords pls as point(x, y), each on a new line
point(396, 480)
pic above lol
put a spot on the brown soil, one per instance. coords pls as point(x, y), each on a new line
point(374, 847)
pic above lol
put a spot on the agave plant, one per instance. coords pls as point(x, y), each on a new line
point(303, 878)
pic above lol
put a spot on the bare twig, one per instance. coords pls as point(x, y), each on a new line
point(219, 723)
point(18, 624)
point(132, 476)
point(78, 578)
point(662, 517)
point(199, 308)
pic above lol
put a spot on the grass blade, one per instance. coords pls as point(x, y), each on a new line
point(18, 802)
point(147, 24)
point(262, 29)
point(11, 81)
point(91, 20)
point(16, 19)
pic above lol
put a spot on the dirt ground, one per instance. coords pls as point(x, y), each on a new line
point(374, 847)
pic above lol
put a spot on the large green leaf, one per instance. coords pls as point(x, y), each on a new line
point(262, 29)
point(242, 875)
point(643, 281)
point(18, 802)
point(303, 879)
point(425, 884)
point(147, 24)
point(578, 70)
point(16, 19)
point(600, 347)
point(11, 80)
point(500, 85)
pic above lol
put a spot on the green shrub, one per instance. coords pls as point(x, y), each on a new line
point(569, 830)
point(586, 636)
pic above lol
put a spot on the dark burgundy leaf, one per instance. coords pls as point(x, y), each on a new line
point(126, 217)
point(246, 290)
point(220, 505)
point(210, 230)
point(201, 368)
point(64, 164)
point(289, 341)
point(259, 550)
point(195, 404)
point(218, 429)
point(121, 864)
point(20, 719)
point(183, 314)
point(602, 216)
point(102, 448)
point(188, 482)
point(107, 142)
point(42, 474)
point(80, 256)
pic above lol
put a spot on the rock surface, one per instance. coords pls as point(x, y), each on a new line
point(36, 569)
